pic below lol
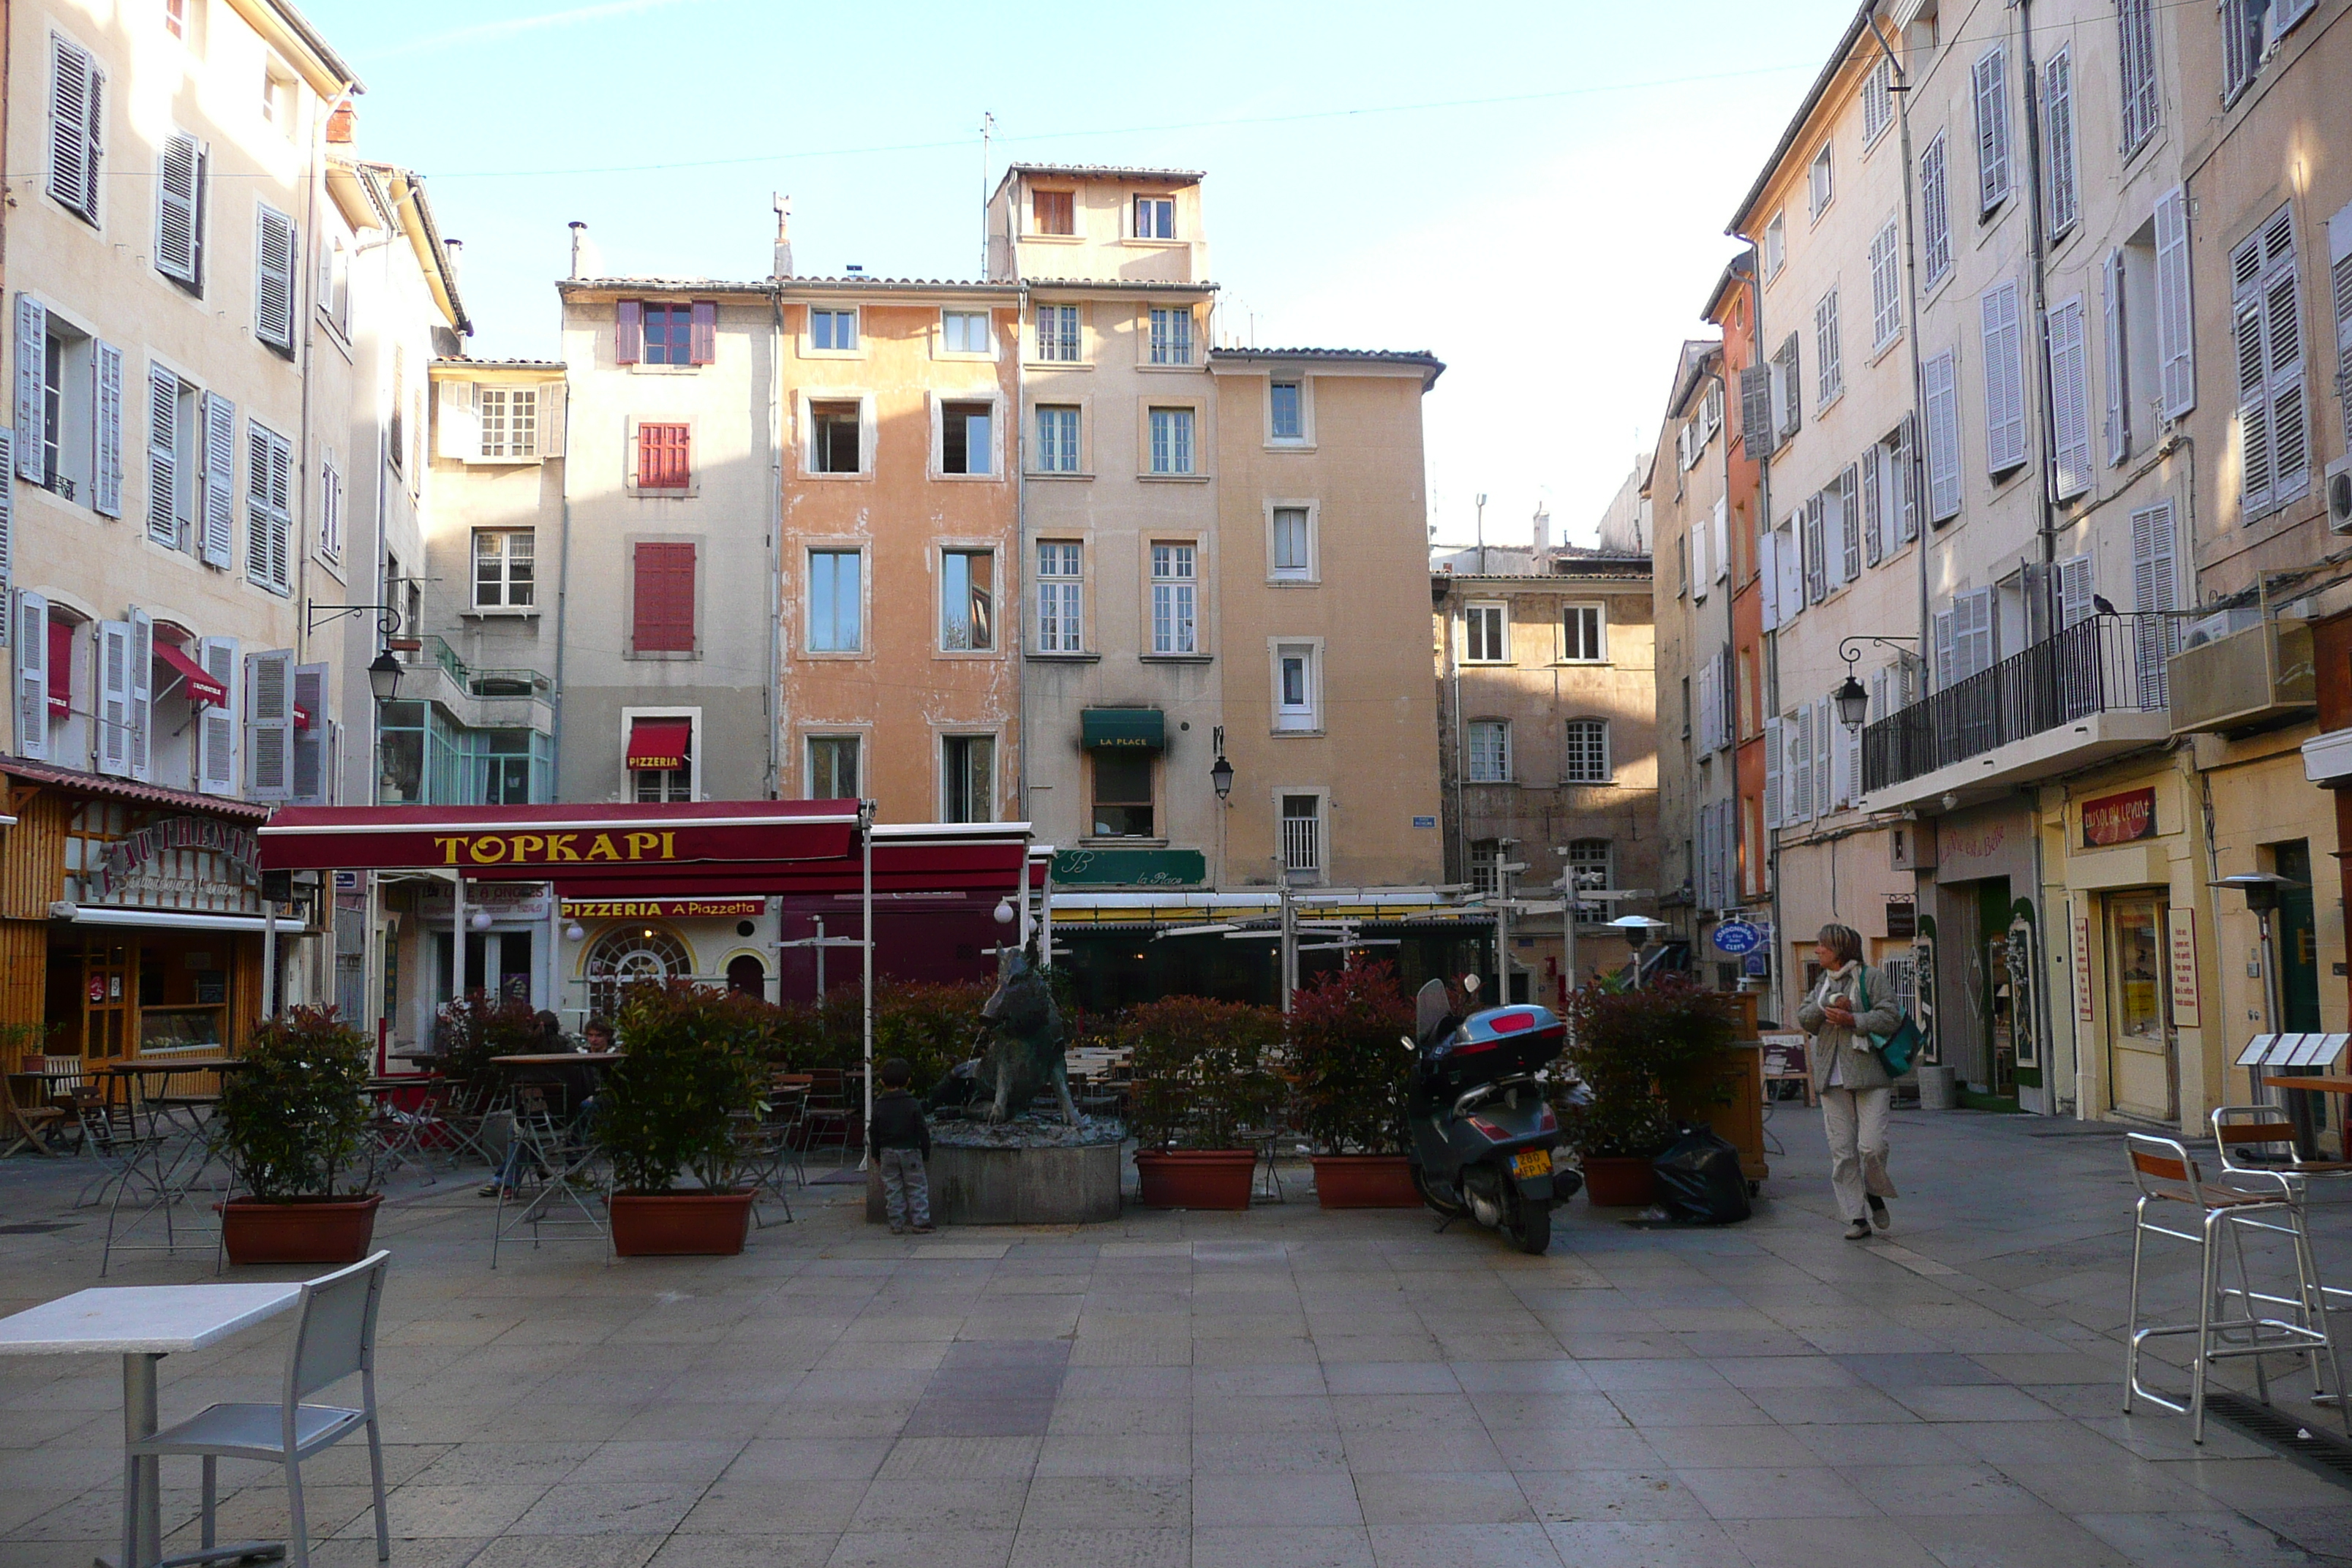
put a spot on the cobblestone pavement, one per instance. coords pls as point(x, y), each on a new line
point(1264, 1389)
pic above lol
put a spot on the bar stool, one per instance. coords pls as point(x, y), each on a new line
point(2262, 1140)
point(2263, 1200)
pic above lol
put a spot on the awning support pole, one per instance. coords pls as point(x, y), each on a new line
point(458, 938)
point(269, 956)
point(866, 809)
point(1046, 920)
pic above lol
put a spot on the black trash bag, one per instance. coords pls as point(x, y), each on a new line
point(1699, 1181)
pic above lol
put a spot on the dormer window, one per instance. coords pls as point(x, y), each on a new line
point(1054, 212)
point(1155, 218)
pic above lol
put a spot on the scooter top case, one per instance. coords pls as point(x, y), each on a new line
point(1498, 1043)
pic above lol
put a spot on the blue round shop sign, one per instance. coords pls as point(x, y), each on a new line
point(1735, 937)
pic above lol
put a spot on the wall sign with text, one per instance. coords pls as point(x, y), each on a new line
point(2120, 818)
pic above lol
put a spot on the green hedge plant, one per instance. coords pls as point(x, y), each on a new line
point(694, 1059)
point(294, 1117)
point(1348, 1075)
point(1205, 1071)
point(1645, 1059)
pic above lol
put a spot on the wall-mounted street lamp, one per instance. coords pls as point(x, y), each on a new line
point(1852, 701)
point(384, 674)
point(1221, 775)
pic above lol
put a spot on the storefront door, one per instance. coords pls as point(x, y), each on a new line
point(496, 962)
point(106, 997)
point(2298, 942)
point(2141, 1075)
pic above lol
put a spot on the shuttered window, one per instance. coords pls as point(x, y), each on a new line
point(1943, 437)
point(2058, 142)
point(1935, 213)
point(166, 512)
point(2156, 588)
point(1756, 410)
point(33, 674)
point(2075, 590)
point(220, 727)
point(1054, 212)
point(216, 528)
point(1992, 128)
point(2175, 352)
point(663, 458)
point(268, 505)
point(2141, 106)
point(273, 279)
point(1817, 586)
point(1878, 101)
point(181, 183)
point(2274, 405)
point(2339, 277)
point(2117, 360)
point(1885, 286)
point(1786, 388)
point(1772, 758)
point(662, 608)
point(107, 482)
point(1828, 352)
point(2004, 371)
point(2070, 398)
point(1848, 501)
point(76, 126)
point(269, 723)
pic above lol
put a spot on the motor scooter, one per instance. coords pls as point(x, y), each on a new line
point(1483, 1133)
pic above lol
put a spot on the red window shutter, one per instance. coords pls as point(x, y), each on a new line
point(663, 458)
point(705, 331)
point(664, 618)
point(629, 332)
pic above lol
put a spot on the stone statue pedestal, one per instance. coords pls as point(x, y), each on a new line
point(1023, 1184)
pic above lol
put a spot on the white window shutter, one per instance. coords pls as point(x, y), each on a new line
point(1873, 506)
point(1817, 578)
point(114, 698)
point(217, 728)
point(1721, 551)
point(162, 455)
point(2058, 140)
point(550, 419)
point(310, 781)
point(1992, 129)
point(178, 182)
point(1945, 675)
point(2117, 364)
point(1767, 573)
point(2075, 590)
point(108, 455)
point(273, 279)
point(1943, 433)
point(1849, 505)
point(1792, 572)
point(32, 419)
point(7, 515)
point(218, 523)
point(2340, 274)
point(2254, 465)
point(32, 677)
point(1699, 576)
point(460, 438)
point(1825, 753)
point(269, 723)
point(2070, 392)
point(2005, 373)
point(2176, 370)
point(2283, 335)
point(1934, 213)
point(143, 695)
point(77, 121)
point(1773, 757)
point(1801, 783)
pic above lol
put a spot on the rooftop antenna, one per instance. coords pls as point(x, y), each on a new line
point(987, 130)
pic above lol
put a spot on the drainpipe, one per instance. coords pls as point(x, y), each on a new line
point(1770, 673)
point(774, 693)
point(1915, 479)
point(1018, 471)
point(2037, 248)
point(562, 601)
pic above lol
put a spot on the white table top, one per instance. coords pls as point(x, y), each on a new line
point(136, 1319)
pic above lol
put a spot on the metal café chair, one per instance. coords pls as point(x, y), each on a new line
point(2262, 1139)
point(766, 1155)
point(827, 1114)
point(2165, 1173)
point(556, 1161)
point(334, 1339)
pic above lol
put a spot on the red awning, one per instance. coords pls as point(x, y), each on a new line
point(202, 688)
point(659, 742)
point(535, 843)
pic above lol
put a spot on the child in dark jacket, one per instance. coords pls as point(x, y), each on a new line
point(899, 1141)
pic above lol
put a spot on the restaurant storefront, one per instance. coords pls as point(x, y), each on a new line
point(1979, 940)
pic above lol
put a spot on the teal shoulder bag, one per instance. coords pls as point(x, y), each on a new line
point(1899, 1049)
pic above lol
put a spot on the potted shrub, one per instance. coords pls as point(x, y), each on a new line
point(1640, 1060)
point(1348, 1078)
point(294, 1125)
point(1203, 1074)
point(481, 1027)
point(695, 1061)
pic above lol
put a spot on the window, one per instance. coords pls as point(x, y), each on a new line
point(1302, 834)
point(330, 510)
point(1172, 335)
point(1992, 129)
point(176, 442)
point(1942, 413)
point(1886, 287)
point(1847, 503)
point(2250, 30)
point(183, 188)
point(503, 568)
point(1828, 353)
point(2135, 67)
point(1490, 751)
point(2004, 363)
point(1298, 695)
point(2074, 591)
point(1054, 212)
point(1587, 757)
point(1485, 639)
point(1174, 629)
point(1935, 214)
point(967, 600)
point(832, 331)
point(2155, 591)
point(2274, 409)
point(1584, 634)
point(665, 458)
point(1286, 418)
point(1155, 218)
point(835, 602)
point(833, 767)
point(2058, 142)
point(396, 437)
point(2070, 398)
point(76, 126)
point(1878, 101)
point(509, 420)
point(966, 332)
point(1819, 183)
point(269, 506)
point(1485, 862)
point(670, 334)
point(273, 279)
point(833, 438)
point(660, 786)
point(1058, 334)
point(1061, 597)
point(335, 282)
point(1591, 868)
point(278, 99)
point(1057, 439)
point(1776, 247)
point(2175, 345)
point(1786, 388)
point(663, 614)
point(1122, 794)
point(68, 410)
point(175, 17)
point(1964, 637)
point(1294, 554)
point(964, 438)
point(1889, 517)
point(966, 769)
point(1172, 441)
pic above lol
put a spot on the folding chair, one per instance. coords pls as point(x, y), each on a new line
point(766, 1156)
point(334, 1339)
point(557, 1158)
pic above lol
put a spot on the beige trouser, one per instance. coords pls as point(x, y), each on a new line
point(1855, 1122)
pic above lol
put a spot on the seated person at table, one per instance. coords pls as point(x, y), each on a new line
point(598, 1031)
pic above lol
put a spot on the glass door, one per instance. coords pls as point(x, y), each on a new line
point(2141, 1079)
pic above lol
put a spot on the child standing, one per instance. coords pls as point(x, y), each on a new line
point(901, 1141)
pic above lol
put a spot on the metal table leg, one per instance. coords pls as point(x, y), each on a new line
point(143, 1499)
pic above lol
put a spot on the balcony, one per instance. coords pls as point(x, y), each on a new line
point(482, 698)
point(2093, 690)
point(2241, 671)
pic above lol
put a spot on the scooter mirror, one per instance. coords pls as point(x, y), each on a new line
point(1407, 1043)
point(1470, 983)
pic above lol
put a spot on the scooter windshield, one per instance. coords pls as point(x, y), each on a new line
point(1430, 1007)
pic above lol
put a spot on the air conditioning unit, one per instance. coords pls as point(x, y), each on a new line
point(2340, 495)
point(2223, 624)
point(2245, 679)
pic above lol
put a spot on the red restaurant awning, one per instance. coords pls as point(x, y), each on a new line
point(659, 742)
point(638, 844)
point(202, 688)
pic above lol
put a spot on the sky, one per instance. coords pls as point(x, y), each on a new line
point(1535, 193)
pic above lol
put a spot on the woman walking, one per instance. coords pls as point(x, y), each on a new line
point(1850, 1003)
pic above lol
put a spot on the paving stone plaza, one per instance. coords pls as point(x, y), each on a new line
point(1283, 1388)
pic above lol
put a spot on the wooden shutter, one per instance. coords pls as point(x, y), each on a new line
point(273, 279)
point(1797, 781)
point(1722, 549)
point(459, 436)
point(217, 526)
point(32, 676)
point(1943, 431)
point(550, 419)
point(1768, 571)
point(2175, 351)
point(2058, 140)
point(1756, 410)
point(7, 514)
point(1849, 505)
point(2340, 274)
point(1699, 578)
point(269, 723)
point(32, 417)
point(1792, 572)
point(664, 459)
point(77, 121)
point(1792, 409)
point(662, 617)
point(1772, 790)
point(2155, 586)
point(162, 455)
point(2116, 362)
point(1817, 574)
point(217, 724)
point(310, 784)
point(1824, 717)
point(1935, 211)
point(2075, 590)
point(179, 182)
point(629, 331)
point(1873, 506)
point(1945, 675)
point(143, 695)
point(2290, 407)
point(107, 459)
point(1992, 129)
point(704, 338)
point(2005, 373)
point(2070, 395)
point(114, 698)
point(1904, 505)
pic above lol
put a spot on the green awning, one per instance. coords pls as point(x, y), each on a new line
point(1122, 729)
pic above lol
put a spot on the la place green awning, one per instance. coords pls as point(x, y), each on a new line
point(1122, 730)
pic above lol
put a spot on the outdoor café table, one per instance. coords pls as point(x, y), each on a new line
point(547, 1066)
point(142, 1324)
point(2300, 1114)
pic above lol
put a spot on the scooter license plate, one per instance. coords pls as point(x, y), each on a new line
point(1531, 1163)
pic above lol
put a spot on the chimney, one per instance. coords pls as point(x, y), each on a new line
point(1543, 529)
point(783, 265)
point(343, 124)
point(585, 262)
point(453, 252)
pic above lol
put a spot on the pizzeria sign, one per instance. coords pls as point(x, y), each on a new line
point(661, 909)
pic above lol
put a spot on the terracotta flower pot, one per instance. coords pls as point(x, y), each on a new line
point(1619, 1181)
point(1196, 1178)
point(680, 1225)
point(1365, 1182)
point(298, 1230)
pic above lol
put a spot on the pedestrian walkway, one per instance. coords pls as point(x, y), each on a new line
point(1263, 1390)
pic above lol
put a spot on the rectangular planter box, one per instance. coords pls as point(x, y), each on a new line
point(1365, 1182)
point(299, 1230)
point(680, 1225)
